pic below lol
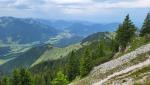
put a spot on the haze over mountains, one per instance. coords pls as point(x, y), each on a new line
point(24, 31)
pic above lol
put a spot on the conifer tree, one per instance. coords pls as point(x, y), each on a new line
point(146, 26)
point(60, 79)
point(85, 63)
point(101, 49)
point(114, 45)
point(72, 68)
point(0, 82)
point(25, 77)
point(125, 33)
point(16, 77)
point(5, 81)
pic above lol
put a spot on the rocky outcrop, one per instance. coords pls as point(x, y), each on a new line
point(140, 65)
point(121, 60)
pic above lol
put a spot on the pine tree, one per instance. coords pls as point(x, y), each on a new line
point(16, 77)
point(114, 45)
point(72, 68)
point(101, 52)
point(46, 79)
point(125, 33)
point(146, 26)
point(0, 82)
point(5, 81)
point(25, 77)
point(39, 80)
point(60, 79)
point(85, 63)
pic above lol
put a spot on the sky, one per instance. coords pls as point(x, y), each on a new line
point(102, 11)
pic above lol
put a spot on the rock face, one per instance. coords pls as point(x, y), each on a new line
point(121, 60)
point(145, 63)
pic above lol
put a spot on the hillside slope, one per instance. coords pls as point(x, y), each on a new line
point(24, 30)
point(124, 64)
point(98, 36)
point(24, 59)
point(56, 53)
point(34, 56)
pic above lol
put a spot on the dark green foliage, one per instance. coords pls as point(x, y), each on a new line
point(5, 81)
point(50, 69)
point(16, 77)
point(114, 45)
point(21, 77)
point(41, 79)
point(72, 66)
point(25, 77)
point(96, 37)
point(94, 54)
point(146, 26)
point(60, 79)
point(101, 48)
point(25, 58)
point(125, 33)
point(85, 63)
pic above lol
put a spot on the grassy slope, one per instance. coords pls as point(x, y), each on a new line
point(97, 36)
point(24, 59)
point(56, 53)
point(14, 51)
point(33, 56)
point(3, 61)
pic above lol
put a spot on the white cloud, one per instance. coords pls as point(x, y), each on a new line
point(125, 4)
point(75, 3)
point(72, 1)
point(93, 6)
point(55, 8)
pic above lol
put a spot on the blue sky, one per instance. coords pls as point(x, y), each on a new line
point(103, 11)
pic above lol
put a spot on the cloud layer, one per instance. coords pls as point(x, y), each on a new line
point(98, 3)
point(66, 8)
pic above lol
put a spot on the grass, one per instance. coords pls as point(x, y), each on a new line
point(12, 54)
point(56, 53)
point(2, 61)
point(140, 74)
point(135, 43)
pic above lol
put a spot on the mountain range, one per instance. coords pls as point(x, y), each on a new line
point(28, 42)
point(27, 30)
